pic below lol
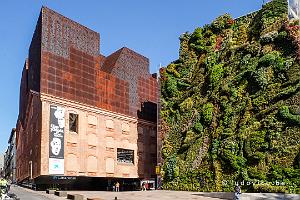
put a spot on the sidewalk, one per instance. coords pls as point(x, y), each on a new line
point(20, 192)
point(183, 195)
point(161, 195)
point(144, 195)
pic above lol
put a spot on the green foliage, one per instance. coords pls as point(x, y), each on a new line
point(285, 114)
point(171, 86)
point(171, 170)
point(197, 41)
point(257, 174)
point(221, 23)
point(266, 187)
point(269, 18)
point(273, 59)
point(198, 127)
point(187, 104)
point(216, 74)
point(231, 105)
point(207, 112)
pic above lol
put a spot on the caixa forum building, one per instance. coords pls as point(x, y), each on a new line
point(85, 120)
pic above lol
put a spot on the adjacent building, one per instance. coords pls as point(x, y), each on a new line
point(85, 120)
point(5, 167)
point(10, 158)
point(294, 10)
point(1, 164)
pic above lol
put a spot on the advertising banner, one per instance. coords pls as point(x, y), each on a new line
point(56, 140)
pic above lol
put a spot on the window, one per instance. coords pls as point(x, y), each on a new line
point(125, 156)
point(73, 122)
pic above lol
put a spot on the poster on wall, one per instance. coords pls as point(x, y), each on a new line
point(56, 140)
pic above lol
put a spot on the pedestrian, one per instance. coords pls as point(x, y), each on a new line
point(143, 186)
point(237, 192)
point(3, 187)
point(8, 184)
point(117, 186)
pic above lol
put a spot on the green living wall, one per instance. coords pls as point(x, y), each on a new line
point(231, 106)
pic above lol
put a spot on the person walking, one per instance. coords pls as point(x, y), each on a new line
point(237, 192)
point(143, 186)
point(8, 184)
point(117, 186)
point(3, 187)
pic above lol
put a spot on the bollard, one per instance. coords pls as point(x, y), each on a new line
point(94, 199)
point(116, 198)
point(50, 191)
point(61, 193)
point(75, 196)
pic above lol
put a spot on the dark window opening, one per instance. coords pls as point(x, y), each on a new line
point(73, 122)
point(125, 156)
point(148, 111)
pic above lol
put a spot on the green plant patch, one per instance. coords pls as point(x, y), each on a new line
point(231, 105)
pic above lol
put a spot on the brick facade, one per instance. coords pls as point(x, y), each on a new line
point(28, 146)
point(65, 68)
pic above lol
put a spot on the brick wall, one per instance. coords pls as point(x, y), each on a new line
point(28, 140)
point(100, 133)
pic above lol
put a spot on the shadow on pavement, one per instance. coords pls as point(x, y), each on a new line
point(280, 196)
point(13, 196)
point(220, 195)
point(250, 196)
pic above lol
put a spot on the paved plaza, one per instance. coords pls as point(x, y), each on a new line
point(27, 194)
point(146, 195)
point(183, 195)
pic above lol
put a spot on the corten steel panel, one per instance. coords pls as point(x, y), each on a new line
point(65, 61)
point(23, 100)
point(34, 58)
point(65, 56)
point(59, 33)
point(84, 83)
point(131, 67)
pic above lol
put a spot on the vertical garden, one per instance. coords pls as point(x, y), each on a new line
point(231, 105)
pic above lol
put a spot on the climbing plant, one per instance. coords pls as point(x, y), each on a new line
point(231, 105)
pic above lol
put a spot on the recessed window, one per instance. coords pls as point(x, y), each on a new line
point(125, 156)
point(73, 122)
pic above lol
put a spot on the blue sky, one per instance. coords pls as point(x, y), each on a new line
point(150, 27)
